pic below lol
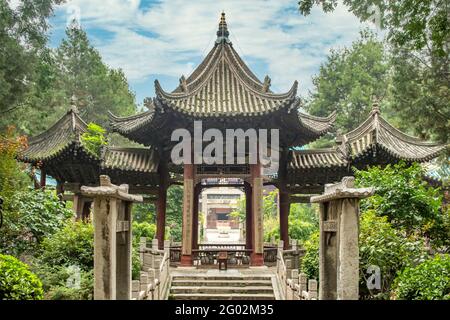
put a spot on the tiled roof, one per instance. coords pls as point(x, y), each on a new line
point(130, 159)
point(378, 132)
point(63, 135)
point(128, 124)
point(225, 88)
point(316, 158)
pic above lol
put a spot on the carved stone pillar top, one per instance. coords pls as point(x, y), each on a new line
point(344, 189)
point(107, 189)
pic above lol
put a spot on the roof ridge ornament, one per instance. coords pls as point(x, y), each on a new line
point(183, 84)
point(375, 106)
point(73, 104)
point(223, 33)
point(266, 85)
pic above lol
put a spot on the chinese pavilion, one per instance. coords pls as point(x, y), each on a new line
point(225, 94)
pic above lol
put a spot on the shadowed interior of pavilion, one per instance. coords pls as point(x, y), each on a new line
point(225, 94)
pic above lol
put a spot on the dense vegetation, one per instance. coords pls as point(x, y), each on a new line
point(404, 228)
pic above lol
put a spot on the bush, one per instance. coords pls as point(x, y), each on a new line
point(430, 280)
point(72, 245)
point(403, 197)
point(310, 262)
point(17, 282)
point(387, 248)
point(143, 229)
point(29, 216)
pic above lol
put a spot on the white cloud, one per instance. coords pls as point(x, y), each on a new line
point(168, 36)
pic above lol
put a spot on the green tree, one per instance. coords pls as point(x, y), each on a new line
point(348, 80)
point(405, 199)
point(303, 221)
point(174, 212)
point(23, 35)
point(418, 32)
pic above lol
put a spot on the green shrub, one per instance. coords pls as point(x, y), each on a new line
point(17, 282)
point(61, 291)
point(429, 280)
point(310, 261)
point(143, 229)
point(94, 138)
point(29, 216)
point(381, 245)
point(72, 245)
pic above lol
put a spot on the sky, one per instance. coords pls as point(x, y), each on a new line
point(164, 39)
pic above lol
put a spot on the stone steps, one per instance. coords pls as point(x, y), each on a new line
point(216, 283)
point(220, 296)
point(221, 287)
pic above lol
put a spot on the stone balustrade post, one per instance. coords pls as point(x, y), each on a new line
point(339, 231)
point(112, 239)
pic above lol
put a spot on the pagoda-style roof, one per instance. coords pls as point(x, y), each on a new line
point(62, 138)
point(224, 93)
point(377, 135)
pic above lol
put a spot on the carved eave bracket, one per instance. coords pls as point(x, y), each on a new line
point(344, 189)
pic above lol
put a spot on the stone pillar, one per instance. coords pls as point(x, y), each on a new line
point(284, 217)
point(197, 190)
point(161, 202)
point(188, 209)
point(257, 256)
point(339, 230)
point(248, 216)
point(112, 239)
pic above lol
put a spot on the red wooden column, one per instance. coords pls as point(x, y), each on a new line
point(197, 191)
point(188, 206)
point(257, 255)
point(284, 217)
point(284, 204)
point(161, 206)
point(248, 216)
point(43, 181)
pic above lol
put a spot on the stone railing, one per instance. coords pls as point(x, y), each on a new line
point(300, 288)
point(291, 288)
point(154, 282)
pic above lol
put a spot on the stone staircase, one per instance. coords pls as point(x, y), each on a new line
point(203, 286)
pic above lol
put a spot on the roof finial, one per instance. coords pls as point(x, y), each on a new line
point(222, 33)
point(73, 103)
point(375, 105)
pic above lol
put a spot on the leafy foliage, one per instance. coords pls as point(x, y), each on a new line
point(403, 197)
point(94, 138)
point(429, 280)
point(17, 282)
point(303, 221)
point(417, 33)
point(12, 176)
point(310, 261)
point(384, 246)
point(29, 216)
point(174, 210)
point(144, 212)
point(143, 229)
point(22, 35)
point(71, 245)
point(348, 81)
